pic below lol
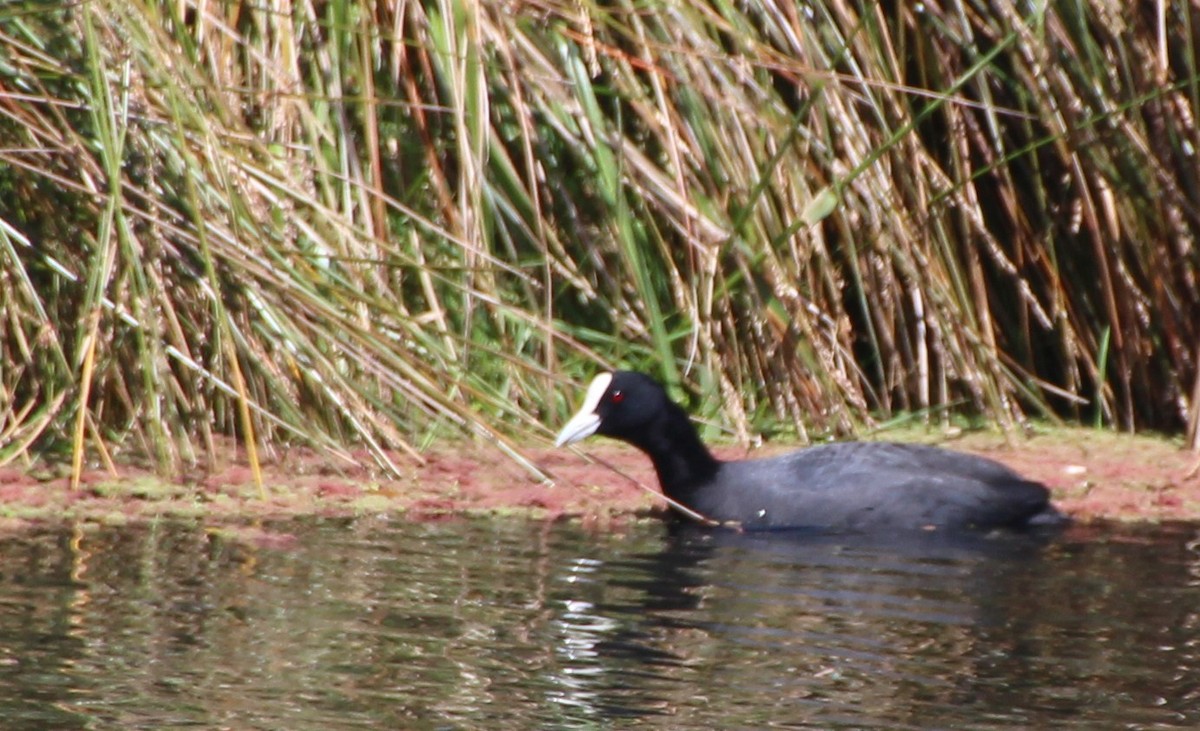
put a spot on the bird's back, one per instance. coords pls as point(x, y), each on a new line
point(856, 485)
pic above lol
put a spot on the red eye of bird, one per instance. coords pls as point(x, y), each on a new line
point(616, 397)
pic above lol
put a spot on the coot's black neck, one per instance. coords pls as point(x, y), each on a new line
point(681, 460)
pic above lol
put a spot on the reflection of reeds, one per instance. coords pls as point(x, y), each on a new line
point(365, 221)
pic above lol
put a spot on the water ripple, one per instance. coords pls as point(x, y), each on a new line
point(510, 624)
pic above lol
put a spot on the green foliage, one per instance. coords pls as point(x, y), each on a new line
point(369, 222)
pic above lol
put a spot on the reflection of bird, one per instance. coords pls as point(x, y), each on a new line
point(851, 485)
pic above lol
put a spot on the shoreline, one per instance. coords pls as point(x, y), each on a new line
point(1093, 475)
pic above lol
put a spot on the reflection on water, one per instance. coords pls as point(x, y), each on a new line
point(511, 624)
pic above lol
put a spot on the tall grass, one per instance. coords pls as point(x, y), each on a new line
point(377, 223)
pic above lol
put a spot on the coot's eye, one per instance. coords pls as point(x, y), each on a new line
point(616, 397)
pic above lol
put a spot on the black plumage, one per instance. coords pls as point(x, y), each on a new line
point(844, 486)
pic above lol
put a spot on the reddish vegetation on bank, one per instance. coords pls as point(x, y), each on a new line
point(1094, 475)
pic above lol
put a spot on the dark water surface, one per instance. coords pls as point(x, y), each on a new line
point(508, 624)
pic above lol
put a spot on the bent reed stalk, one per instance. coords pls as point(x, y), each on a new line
point(366, 223)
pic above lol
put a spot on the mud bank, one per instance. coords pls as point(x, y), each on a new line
point(1093, 475)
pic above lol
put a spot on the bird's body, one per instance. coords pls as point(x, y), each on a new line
point(844, 486)
point(858, 485)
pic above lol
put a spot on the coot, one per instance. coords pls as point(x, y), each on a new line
point(844, 486)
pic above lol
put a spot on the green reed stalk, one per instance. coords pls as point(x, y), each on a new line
point(382, 223)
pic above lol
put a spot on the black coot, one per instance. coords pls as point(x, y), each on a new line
point(845, 486)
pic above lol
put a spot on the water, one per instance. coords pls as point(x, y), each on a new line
point(507, 624)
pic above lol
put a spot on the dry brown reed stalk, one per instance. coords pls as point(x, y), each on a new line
point(352, 222)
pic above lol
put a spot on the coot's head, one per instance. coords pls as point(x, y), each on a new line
point(621, 404)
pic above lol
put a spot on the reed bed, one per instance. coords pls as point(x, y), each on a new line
point(372, 224)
